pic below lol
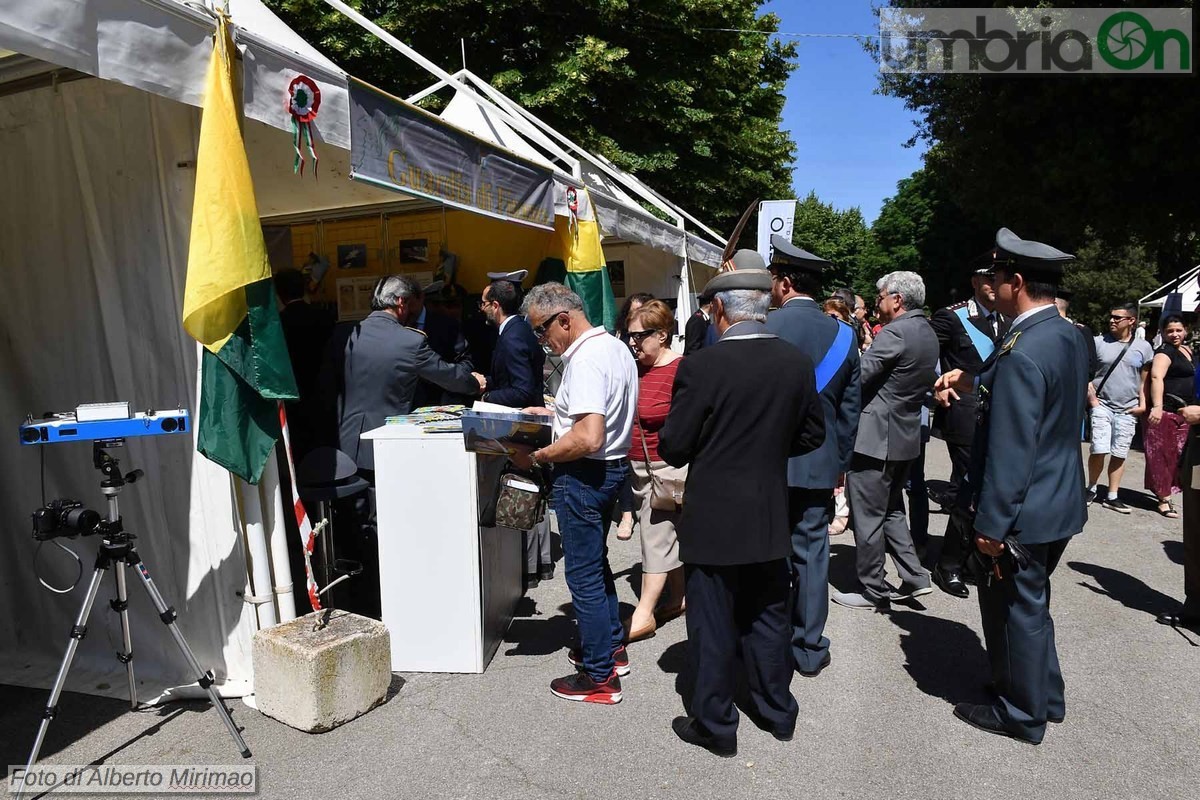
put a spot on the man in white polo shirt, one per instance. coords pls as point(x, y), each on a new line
point(593, 422)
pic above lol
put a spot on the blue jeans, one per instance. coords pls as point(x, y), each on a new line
point(584, 494)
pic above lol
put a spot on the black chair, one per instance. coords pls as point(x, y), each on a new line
point(325, 476)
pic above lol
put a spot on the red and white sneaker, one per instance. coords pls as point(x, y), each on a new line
point(620, 659)
point(580, 686)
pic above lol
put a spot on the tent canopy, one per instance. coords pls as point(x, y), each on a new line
point(1187, 284)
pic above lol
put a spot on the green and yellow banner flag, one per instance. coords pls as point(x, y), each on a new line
point(229, 302)
point(578, 241)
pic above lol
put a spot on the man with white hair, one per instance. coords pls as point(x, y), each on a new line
point(593, 429)
point(897, 373)
point(739, 410)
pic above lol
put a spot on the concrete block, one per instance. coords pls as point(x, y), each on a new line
point(315, 678)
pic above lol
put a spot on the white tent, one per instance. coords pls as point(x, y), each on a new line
point(1187, 284)
point(98, 132)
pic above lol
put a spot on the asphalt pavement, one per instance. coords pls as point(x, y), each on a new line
point(877, 723)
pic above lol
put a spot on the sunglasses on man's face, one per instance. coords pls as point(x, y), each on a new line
point(540, 330)
point(1118, 317)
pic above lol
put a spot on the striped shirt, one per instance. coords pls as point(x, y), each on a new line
point(654, 401)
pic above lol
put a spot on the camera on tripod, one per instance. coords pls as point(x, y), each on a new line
point(64, 517)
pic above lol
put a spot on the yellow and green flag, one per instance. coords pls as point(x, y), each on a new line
point(229, 302)
point(578, 240)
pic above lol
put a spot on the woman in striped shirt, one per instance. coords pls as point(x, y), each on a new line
point(650, 329)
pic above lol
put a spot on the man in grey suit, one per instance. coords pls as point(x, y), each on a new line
point(897, 372)
point(833, 348)
point(381, 365)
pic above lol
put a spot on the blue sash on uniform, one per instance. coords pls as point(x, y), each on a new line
point(834, 356)
point(984, 345)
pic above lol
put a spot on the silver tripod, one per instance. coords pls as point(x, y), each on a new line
point(117, 550)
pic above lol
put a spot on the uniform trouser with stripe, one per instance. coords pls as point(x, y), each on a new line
point(1019, 633)
point(808, 510)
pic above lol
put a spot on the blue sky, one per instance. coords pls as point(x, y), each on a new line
point(849, 141)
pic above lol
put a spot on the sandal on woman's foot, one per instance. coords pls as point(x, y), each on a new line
point(1169, 512)
point(624, 531)
point(838, 525)
point(644, 632)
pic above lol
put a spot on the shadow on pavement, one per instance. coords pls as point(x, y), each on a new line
point(79, 715)
point(843, 575)
point(532, 634)
point(930, 643)
point(1174, 551)
point(674, 661)
point(1125, 589)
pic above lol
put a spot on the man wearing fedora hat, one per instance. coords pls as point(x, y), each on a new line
point(734, 537)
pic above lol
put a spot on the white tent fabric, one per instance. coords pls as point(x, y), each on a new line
point(93, 250)
point(1187, 284)
point(163, 47)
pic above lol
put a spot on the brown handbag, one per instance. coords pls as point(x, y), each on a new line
point(666, 493)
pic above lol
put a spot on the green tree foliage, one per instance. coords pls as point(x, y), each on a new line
point(841, 237)
point(654, 87)
point(1104, 276)
point(1057, 157)
point(923, 229)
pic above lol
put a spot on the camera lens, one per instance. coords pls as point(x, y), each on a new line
point(30, 435)
point(80, 519)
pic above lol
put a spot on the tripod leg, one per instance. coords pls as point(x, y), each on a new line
point(203, 677)
point(121, 606)
point(78, 631)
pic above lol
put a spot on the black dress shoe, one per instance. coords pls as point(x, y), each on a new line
point(531, 580)
point(1178, 620)
point(814, 673)
point(781, 734)
point(990, 688)
point(950, 582)
point(686, 729)
point(984, 718)
point(546, 573)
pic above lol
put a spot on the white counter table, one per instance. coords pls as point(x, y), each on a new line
point(449, 588)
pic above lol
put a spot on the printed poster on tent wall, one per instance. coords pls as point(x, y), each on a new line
point(400, 147)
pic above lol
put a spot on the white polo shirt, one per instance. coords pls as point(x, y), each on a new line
point(600, 378)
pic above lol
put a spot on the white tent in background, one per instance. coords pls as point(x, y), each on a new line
point(99, 122)
point(1187, 284)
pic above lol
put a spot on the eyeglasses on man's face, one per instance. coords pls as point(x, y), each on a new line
point(541, 330)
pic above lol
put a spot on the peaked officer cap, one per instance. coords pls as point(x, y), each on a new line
point(1036, 258)
point(790, 258)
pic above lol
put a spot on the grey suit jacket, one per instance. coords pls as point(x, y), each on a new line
point(898, 370)
point(379, 370)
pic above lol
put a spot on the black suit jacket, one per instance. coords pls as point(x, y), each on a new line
point(1026, 465)
point(444, 336)
point(517, 361)
point(695, 333)
point(801, 323)
point(380, 366)
point(956, 424)
point(736, 438)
